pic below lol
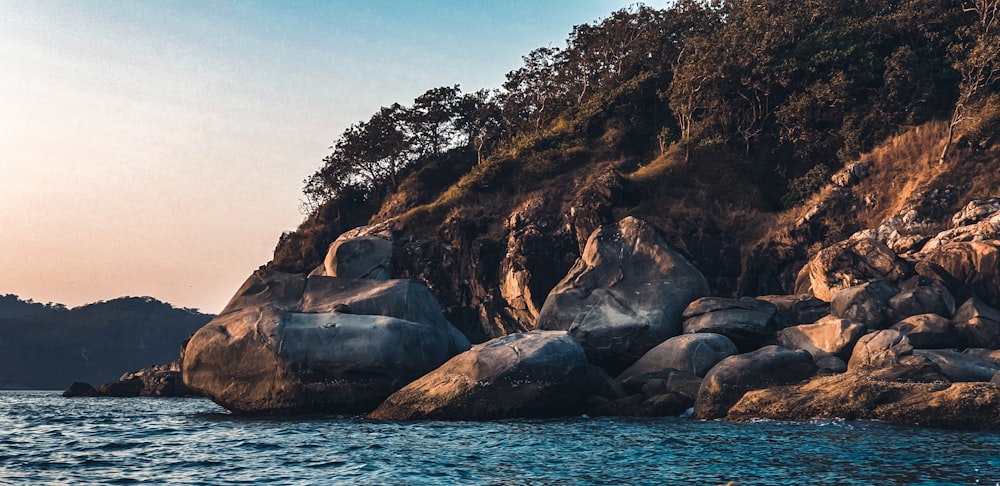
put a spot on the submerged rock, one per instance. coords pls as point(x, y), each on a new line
point(287, 343)
point(624, 296)
point(534, 374)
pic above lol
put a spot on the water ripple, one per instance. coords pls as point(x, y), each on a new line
point(45, 438)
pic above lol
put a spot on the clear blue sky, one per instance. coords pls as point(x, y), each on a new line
point(159, 147)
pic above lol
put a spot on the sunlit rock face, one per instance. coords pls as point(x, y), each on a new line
point(534, 374)
point(287, 343)
point(624, 296)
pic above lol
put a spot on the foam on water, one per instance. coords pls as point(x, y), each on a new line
point(45, 438)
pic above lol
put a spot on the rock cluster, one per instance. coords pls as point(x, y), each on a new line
point(874, 334)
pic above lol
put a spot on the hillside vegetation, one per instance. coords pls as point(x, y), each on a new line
point(50, 346)
point(721, 123)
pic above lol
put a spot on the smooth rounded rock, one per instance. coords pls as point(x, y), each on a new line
point(323, 344)
point(732, 377)
point(359, 257)
point(690, 353)
point(925, 297)
point(534, 374)
point(879, 349)
point(748, 322)
point(959, 366)
point(830, 336)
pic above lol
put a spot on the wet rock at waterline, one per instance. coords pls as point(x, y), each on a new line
point(287, 343)
point(534, 374)
point(732, 377)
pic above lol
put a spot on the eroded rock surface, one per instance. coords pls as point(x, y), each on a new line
point(747, 322)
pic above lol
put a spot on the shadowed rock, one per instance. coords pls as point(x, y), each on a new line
point(865, 303)
point(968, 268)
point(921, 296)
point(690, 353)
point(793, 310)
point(880, 349)
point(732, 377)
point(80, 389)
point(929, 331)
point(624, 296)
point(747, 321)
point(281, 346)
point(959, 366)
point(534, 374)
point(978, 324)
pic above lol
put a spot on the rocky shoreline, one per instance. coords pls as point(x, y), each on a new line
point(903, 329)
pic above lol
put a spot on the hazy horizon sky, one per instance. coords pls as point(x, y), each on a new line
point(159, 148)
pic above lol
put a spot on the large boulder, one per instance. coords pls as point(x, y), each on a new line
point(865, 303)
point(991, 355)
point(287, 343)
point(864, 395)
point(853, 262)
point(978, 324)
point(928, 331)
point(534, 374)
point(968, 268)
point(624, 295)
point(747, 321)
point(793, 310)
point(920, 295)
point(959, 366)
point(830, 336)
point(690, 353)
point(880, 349)
point(732, 377)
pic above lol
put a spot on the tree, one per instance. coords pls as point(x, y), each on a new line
point(977, 60)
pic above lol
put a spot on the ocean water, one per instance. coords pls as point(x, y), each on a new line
point(47, 439)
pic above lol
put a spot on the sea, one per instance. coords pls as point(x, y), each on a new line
point(48, 439)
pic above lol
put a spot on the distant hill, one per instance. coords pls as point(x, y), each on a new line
point(49, 346)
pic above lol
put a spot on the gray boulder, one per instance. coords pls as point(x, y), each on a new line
point(830, 336)
point(959, 366)
point(929, 331)
point(534, 374)
point(922, 296)
point(793, 310)
point(359, 257)
point(666, 392)
point(881, 349)
point(769, 366)
point(967, 268)
point(747, 321)
point(864, 303)
point(287, 343)
point(978, 324)
point(624, 295)
point(690, 353)
point(991, 355)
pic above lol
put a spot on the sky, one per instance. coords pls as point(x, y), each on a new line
point(158, 148)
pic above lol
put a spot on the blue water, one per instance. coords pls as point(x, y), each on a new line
point(45, 438)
